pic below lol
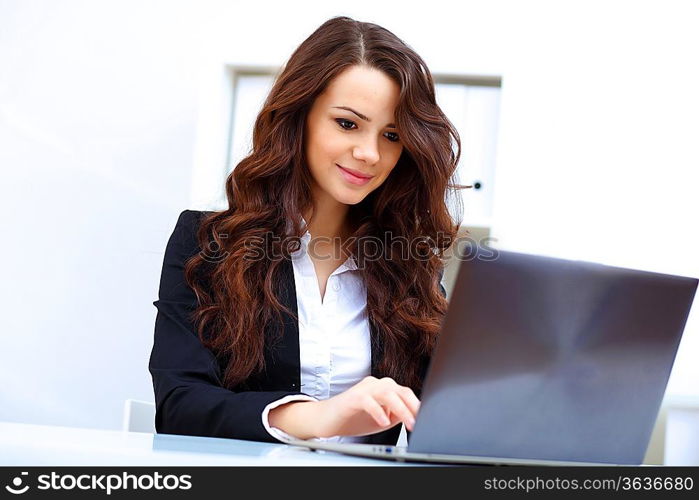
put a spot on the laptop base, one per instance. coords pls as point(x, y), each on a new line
point(401, 454)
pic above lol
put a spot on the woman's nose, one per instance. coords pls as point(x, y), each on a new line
point(368, 151)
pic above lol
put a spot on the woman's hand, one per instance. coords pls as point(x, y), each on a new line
point(370, 406)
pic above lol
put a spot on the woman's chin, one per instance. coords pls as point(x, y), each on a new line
point(350, 198)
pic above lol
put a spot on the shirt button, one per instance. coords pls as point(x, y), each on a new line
point(336, 286)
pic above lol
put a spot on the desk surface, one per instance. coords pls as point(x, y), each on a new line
point(36, 445)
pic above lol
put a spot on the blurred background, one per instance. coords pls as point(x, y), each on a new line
point(578, 122)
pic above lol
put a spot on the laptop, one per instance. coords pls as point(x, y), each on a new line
point(544, 361)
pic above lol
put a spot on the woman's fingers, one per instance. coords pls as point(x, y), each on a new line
point(384, 397)
point(405, 393)
point(410, 399)
point(396, 405)
point(373, 408)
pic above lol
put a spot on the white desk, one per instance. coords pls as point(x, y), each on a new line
point(42, 445)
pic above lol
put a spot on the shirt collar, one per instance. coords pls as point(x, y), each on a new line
point(348, 265)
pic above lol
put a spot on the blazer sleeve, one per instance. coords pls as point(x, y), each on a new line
point(189, 396)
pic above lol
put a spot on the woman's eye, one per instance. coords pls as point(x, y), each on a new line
point(393, 137)
point(342, 122)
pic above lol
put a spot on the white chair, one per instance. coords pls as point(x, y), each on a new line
point(139, 416)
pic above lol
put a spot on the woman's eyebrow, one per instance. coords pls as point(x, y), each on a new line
point(363, 117)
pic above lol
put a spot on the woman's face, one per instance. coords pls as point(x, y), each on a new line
point(350, 130)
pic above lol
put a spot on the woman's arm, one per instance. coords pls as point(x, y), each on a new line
point(368, 407)
point(298, 419)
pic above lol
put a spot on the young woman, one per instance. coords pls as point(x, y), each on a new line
point(310, 306)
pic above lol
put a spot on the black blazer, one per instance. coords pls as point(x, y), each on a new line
point(187, 377)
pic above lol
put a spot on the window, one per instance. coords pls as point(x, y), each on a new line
point(472, 105)
point(249, 93)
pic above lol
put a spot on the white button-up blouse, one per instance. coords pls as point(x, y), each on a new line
point(334, 334)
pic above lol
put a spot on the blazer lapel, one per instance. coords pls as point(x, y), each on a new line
point(282, 357)
point(376, 349)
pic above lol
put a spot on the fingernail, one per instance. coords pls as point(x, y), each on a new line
point(385, 421)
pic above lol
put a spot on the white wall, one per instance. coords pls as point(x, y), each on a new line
point(97, 116)
point(108, 119)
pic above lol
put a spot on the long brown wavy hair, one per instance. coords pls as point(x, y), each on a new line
point(269, 190)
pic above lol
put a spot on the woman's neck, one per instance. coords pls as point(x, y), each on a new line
point(330, 218)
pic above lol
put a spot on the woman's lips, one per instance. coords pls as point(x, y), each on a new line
point(352, 178)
